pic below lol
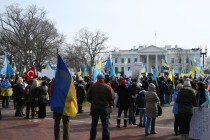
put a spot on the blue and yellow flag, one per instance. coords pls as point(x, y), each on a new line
point(164, 63)
point(79, 73)
point(63, 98)
point(48, 67)
point(143, 70)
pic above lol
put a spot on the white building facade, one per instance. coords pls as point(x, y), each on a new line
point(151, 56)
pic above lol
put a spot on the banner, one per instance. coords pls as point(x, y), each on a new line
point(136, 69)
point(200, 124)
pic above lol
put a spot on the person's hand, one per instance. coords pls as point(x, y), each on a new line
point(200, 108)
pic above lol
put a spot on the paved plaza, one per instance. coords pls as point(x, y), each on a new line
point(17, 128)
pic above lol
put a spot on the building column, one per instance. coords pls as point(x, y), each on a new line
point(139, 58)
point(156, 62)
point(147, 63)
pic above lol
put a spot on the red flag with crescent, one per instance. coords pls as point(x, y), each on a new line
point(30, 74)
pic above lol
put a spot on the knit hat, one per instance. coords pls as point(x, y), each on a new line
point(123, 82)
point(80, 79)
point(151, 87)
point(100, 76)
point(187, 83)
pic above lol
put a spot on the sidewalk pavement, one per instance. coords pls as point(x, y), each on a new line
point(13, 128)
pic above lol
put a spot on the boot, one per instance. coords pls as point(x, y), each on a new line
point(118, 122)
point(125, 122)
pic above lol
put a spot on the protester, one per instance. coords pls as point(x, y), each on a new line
point(115, 87)
point(151, 109)
point(141, 105)
point(202, 96)
point(5, 93)
point(133, 91)
point(175, 109)
point(19, 91)
point(101, 97)
point(42, 97)
point(186, 100)
point(29, 97)
point(81, 94)
point(123, 103)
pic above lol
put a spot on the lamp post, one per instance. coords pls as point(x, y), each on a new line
point(29, 52)
point(203, 53)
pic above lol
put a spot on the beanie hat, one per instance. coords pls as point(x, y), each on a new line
point(123, 82)
point(186, 83)
point(100, 76)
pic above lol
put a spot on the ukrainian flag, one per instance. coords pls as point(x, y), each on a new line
point(164, 63)
point(63, 98)
point(48, 67)
point(143, 70)
point(79, 73)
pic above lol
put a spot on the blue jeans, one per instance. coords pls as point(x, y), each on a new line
point(147, 127)
point(167, 98)
point(132, 110)
point(101, 112)
point(5, 101)
point(142, 116)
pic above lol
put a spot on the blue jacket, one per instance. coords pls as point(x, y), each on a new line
point(175, 107)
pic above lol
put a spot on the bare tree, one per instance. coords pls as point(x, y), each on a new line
point(23, 31)
point(75, 56)
point(92, 43)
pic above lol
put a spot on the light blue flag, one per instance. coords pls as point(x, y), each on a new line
point(109, 63)
point(94, 74)
point(7, 70)
point(154, 76)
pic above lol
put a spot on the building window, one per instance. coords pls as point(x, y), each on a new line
point(129, 60)
point(180, 60)
point(116, 69)
point(172, 60)
point(122, 69)
point(135, 60)
point(115, 60)
point(129, 68)
point(122, 60)
point(187, 60)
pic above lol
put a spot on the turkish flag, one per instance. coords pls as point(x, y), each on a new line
point(30, 74)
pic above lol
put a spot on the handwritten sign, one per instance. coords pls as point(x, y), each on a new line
point(200, 124)
point(136, 69)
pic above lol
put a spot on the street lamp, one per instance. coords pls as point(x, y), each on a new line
point(29, 52)
point(203, 53)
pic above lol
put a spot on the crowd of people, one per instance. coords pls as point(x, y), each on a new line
point(142, 97)
point(130, 96)
point(26, 93)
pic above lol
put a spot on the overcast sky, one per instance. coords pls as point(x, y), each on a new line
point(131, 22)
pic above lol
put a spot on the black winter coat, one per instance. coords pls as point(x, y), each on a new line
point(124, 99)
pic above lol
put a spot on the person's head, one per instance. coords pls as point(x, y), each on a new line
point(151, 87)
point(123, 82)
point(34, 83)
point(100, 78)
point(20, 80)
point(134, 81)
point(80, 80)
point(187, 83)
point(179, 86)
point(200, 85)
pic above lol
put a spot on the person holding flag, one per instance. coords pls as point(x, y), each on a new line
point(63, 99)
